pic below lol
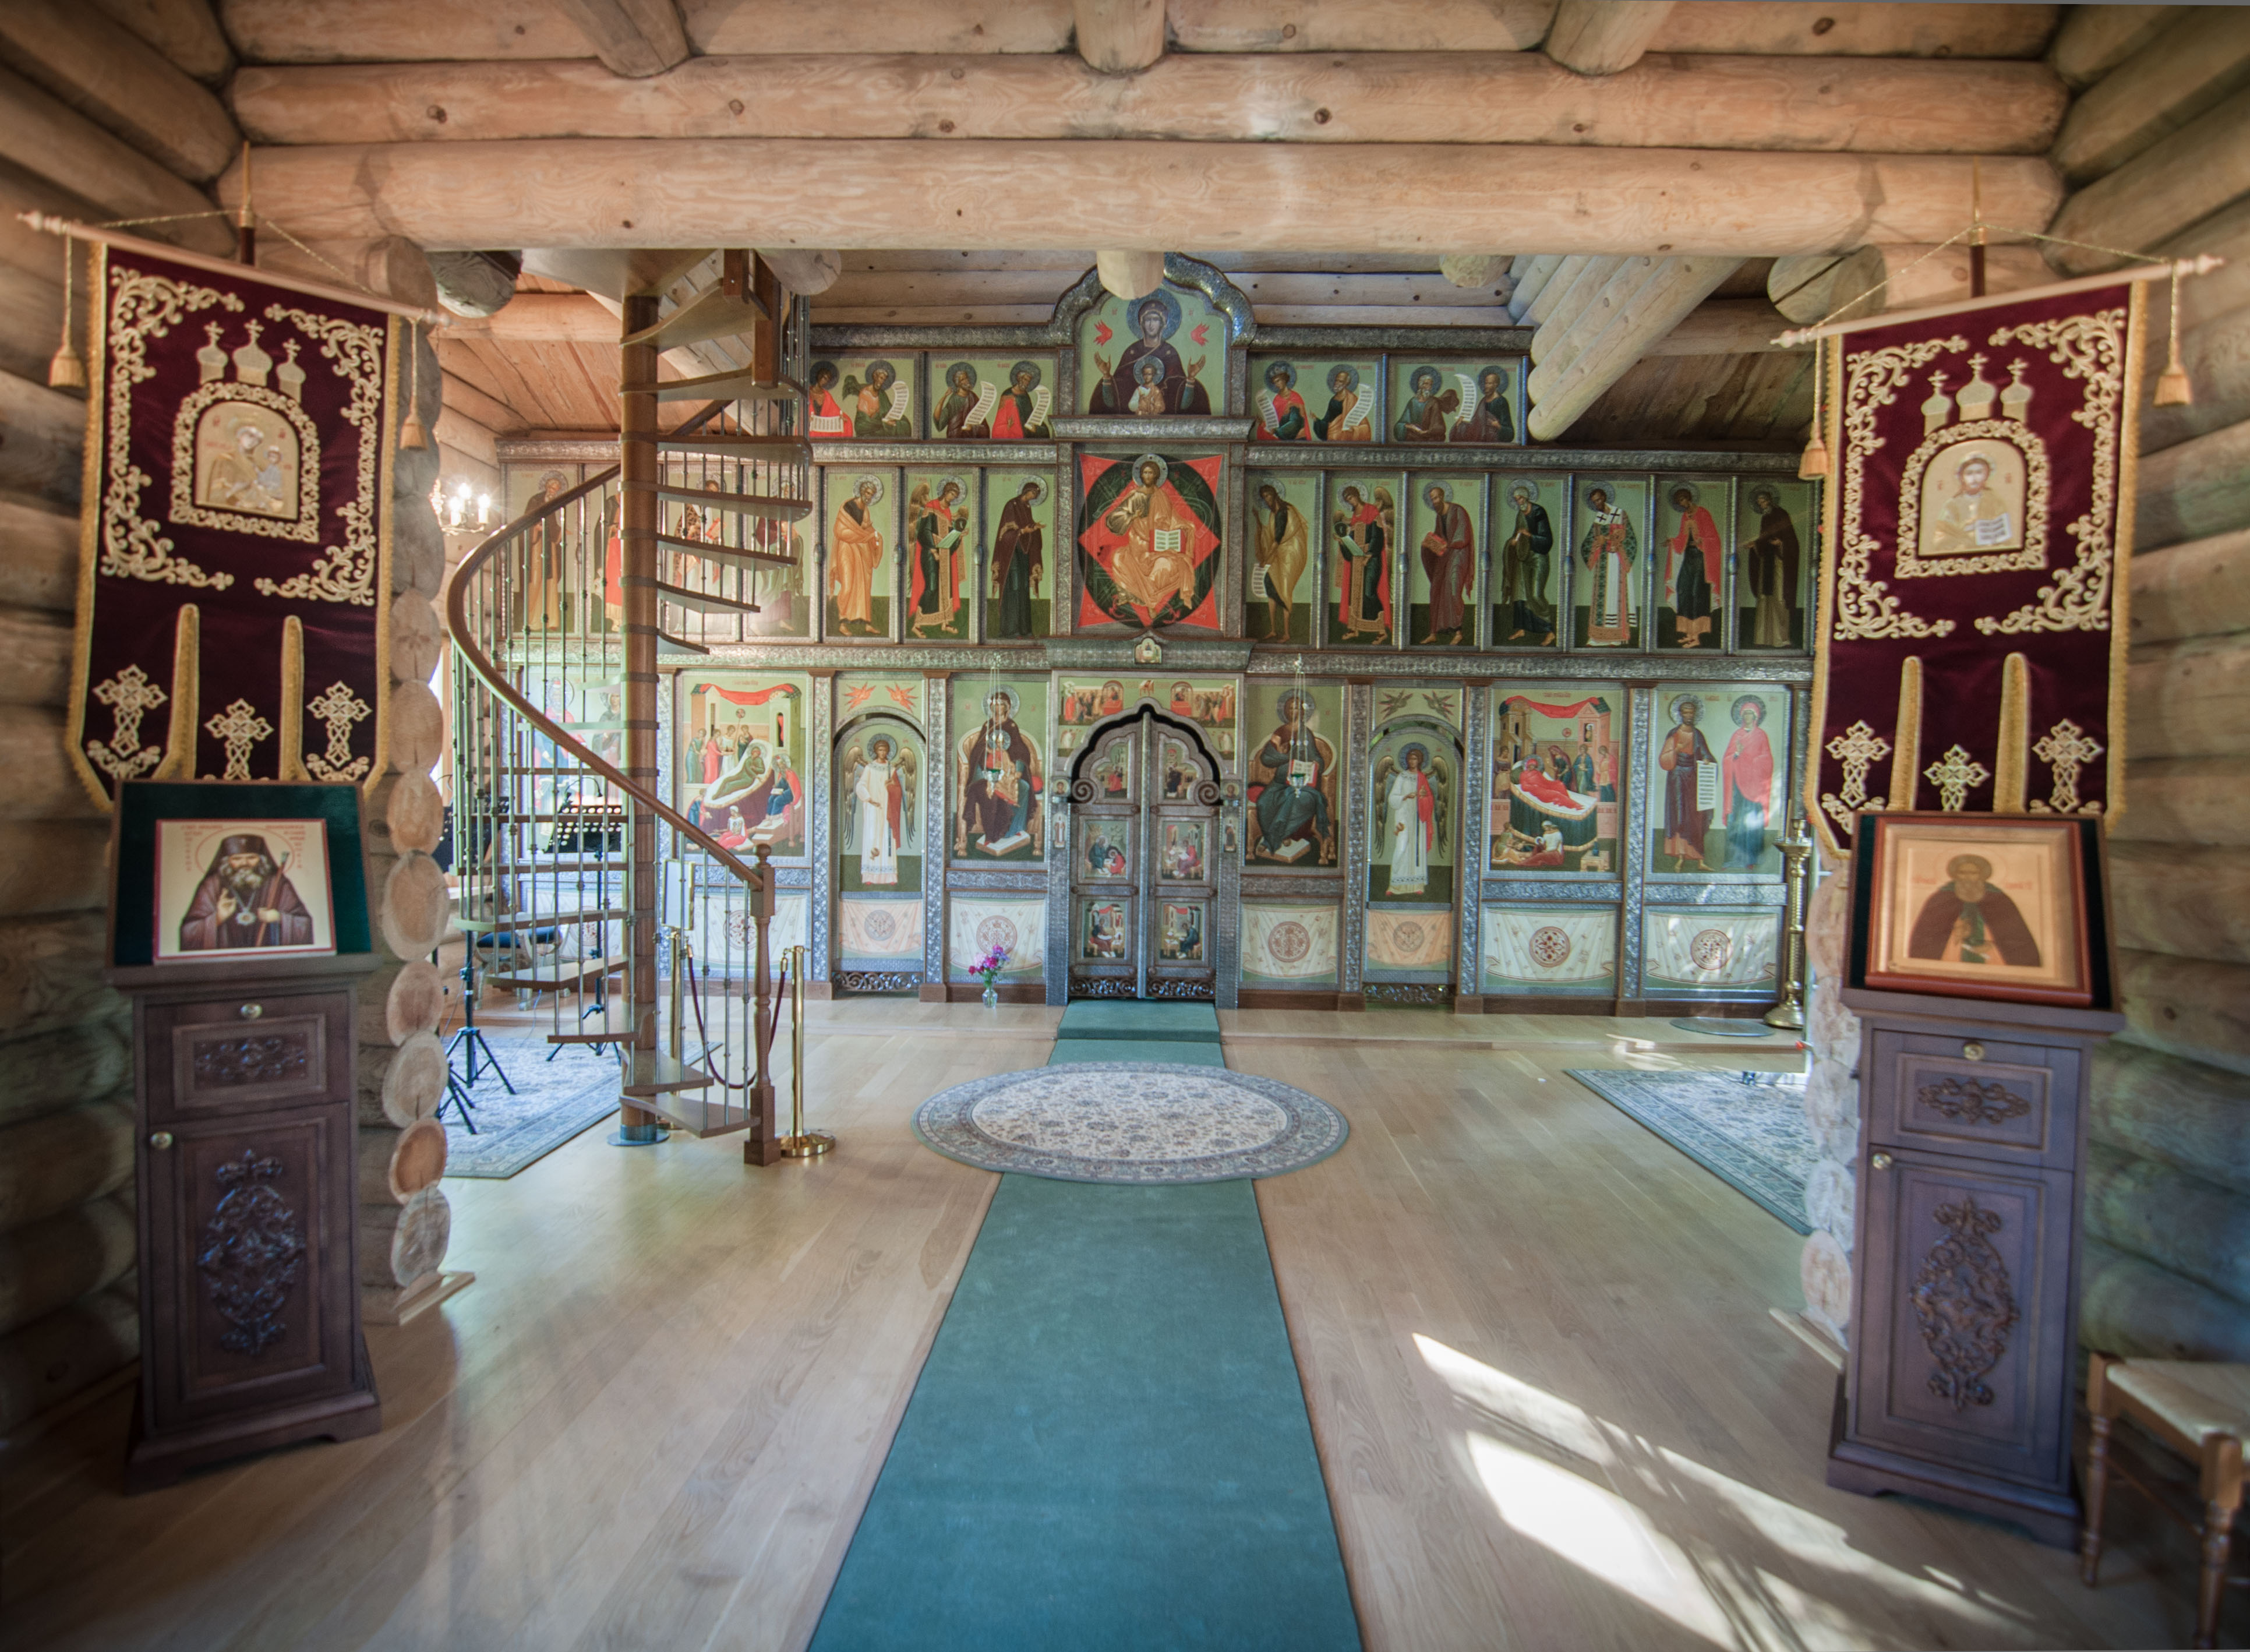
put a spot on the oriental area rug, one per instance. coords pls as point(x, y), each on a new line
point(554, 1101)
point(1747, 1129)
point(1108, 1447)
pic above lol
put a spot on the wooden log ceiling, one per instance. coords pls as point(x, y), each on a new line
point(1684, 138)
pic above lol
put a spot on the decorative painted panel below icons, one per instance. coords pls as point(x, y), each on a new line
point(977, 925)
point(877, 931)
point(1549, 949)
point(1289, 945)
point(1729, 951)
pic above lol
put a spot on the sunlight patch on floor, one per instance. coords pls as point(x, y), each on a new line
point(1636, 1515)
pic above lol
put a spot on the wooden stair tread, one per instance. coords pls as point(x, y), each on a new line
point(706, 602)
point(761, 505)
point(741, 385)
point(656, 1073)
point(714, 313)
point(569, 972)
point(732, 556)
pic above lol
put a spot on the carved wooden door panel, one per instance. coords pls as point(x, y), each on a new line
point(1144, 876)
point(246, 1263)
point(1107, 842)
point(1970, 1261)
point(1182, 817)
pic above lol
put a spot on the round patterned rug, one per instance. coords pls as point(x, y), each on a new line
point(1135, 1122)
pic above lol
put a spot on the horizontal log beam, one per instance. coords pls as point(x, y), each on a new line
point(603, 193)
point(1266, 315)
point(2201, 589)
point(56, 1260)
point(2095, 40)
point(46, 137)
point(2134, 1308)
point(45, 444)
point(120, 82)
point(2174, 184)
point(2186, 800)
point(2217, 357)
point(1359, 25)
point(2191, 900)
point(1587, 281)
point(1883, 106)
point(2189, 68)
point(403, 31)
point(2188, 1007)
point(40, 568)
point(2193, 1227)
point(185, 31)
point(2189, 699)
point(2194, 489)
point(941, 287)
point(1857, 28)
point(2181, 1113)
point(51, 1164)
point(1873, 280)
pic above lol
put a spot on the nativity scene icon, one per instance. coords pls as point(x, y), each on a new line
point(245, 456)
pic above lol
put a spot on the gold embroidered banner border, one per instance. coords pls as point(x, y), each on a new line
point(235, 537)
point(1972, 625)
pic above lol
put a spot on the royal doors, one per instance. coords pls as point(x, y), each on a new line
point(1144, 876)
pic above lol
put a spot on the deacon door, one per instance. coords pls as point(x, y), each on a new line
point(1145, 885)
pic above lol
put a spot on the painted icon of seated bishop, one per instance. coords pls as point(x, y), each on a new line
point(245, 900)
point(1967, 921)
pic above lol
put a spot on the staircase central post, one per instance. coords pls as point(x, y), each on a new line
point(637, 459)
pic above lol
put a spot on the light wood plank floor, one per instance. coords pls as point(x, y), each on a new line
point(1553, 1407)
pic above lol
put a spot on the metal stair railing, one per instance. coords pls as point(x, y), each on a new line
point(544, 816)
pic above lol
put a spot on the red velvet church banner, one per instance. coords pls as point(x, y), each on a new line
point(1971, 651)
point(234, 577)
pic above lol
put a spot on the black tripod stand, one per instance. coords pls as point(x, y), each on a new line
point(472, 1042)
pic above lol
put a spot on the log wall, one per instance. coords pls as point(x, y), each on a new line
point(88, 143)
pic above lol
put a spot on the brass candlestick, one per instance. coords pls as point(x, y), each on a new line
point(1796, 853)
point(800, 1143)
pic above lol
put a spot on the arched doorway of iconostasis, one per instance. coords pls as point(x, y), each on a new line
point(1143, 872)
point(1414, 872)
point(882, 775)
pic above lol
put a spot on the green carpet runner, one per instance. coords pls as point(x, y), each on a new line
point(1108, 1447)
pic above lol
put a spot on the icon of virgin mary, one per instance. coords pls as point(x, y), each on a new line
point(1155, 318)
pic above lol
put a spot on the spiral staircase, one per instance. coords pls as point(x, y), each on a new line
point(626, 924)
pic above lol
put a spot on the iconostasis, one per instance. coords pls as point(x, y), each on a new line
point(1497, 724)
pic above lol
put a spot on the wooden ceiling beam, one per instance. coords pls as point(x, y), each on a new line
point(587, 193)
point(121, 82)
point(48, 139)
point(1588, 278)
point(1893, 107)
point(2190, 67)
point(1858, 29)
point(1601, 37)
point(1530, 273)
point(185, 31)
point(1725, 327)
point(635, 38)
point(2176, 183)
point(1656, 306)
point(793, 26)
point(569, 318)
point(941, 287)
point(1118, 37)
point(2095, 40)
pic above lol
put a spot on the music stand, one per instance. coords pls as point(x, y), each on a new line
point(470, 1039)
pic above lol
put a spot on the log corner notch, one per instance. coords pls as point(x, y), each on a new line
point(1129, 274)
point(635, 39)
point(1617, 310)
point(1119, 36)
point(1602, 37)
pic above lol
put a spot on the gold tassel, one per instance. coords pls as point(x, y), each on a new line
point(67, 370)
point(1814, 465)
point(411, 433)
point(2172, 388)
point(293, 700)
point(179, 762)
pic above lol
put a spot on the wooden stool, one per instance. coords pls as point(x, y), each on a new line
point(2199, 1410)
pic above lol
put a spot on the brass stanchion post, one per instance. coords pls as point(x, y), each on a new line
point(800, 1143)
point(1796, 854)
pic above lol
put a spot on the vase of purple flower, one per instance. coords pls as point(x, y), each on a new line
point(988, 967)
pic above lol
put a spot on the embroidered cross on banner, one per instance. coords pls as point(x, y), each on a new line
point(1953, 776)
point(2066, 749)
point(241, 729)
point(338, 710)
point(1856, 748)
point(129, 696)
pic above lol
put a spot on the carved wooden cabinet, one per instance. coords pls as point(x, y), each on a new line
point(250, 1324)
point(1960, 1380)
